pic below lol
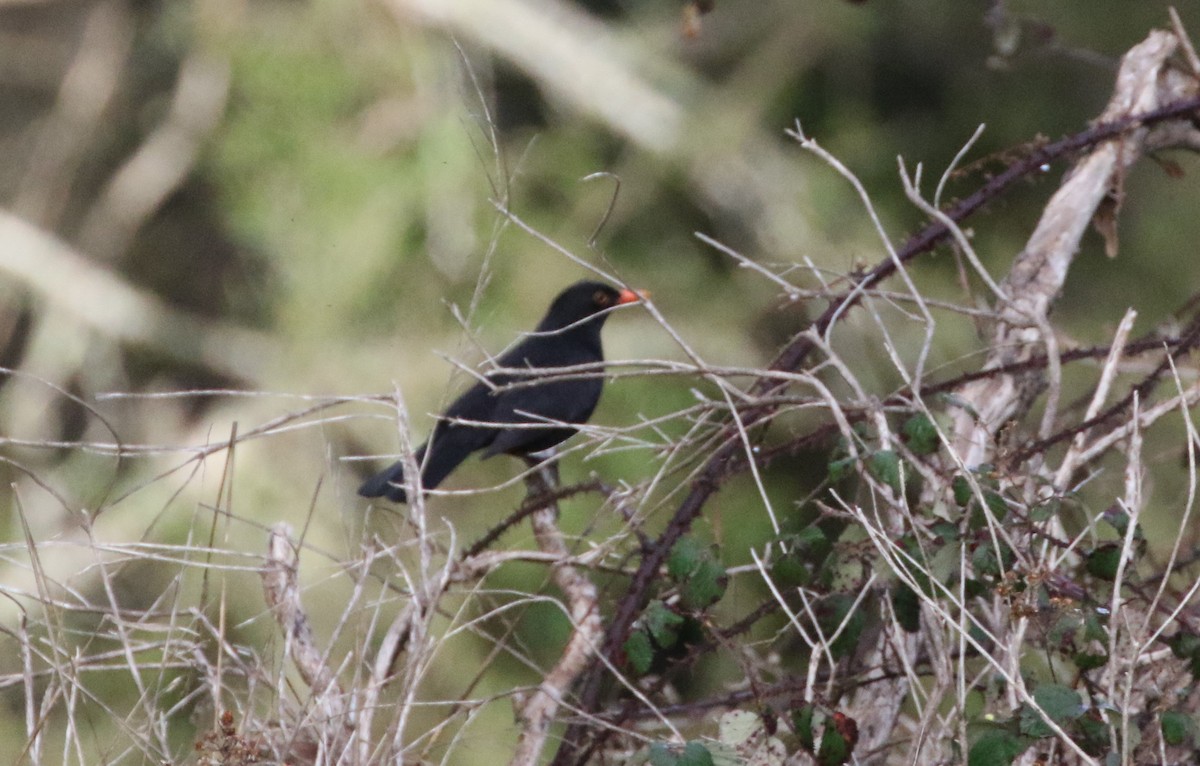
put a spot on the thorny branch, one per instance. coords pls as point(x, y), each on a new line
point(1129, 118)
point(1026, 359)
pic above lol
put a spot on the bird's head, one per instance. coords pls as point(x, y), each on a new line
point(583, 300)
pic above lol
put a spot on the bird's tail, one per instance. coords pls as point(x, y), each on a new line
point(447, 449)
point(389, 482)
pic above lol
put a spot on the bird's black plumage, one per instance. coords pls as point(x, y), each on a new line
point(567, 336)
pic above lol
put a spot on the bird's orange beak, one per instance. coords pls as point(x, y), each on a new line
point(632, 296)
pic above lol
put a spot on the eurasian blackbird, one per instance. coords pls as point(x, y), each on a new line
point(482, 418)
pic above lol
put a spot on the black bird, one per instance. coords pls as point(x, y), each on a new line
point(568, 335)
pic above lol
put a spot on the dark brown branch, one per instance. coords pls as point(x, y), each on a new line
point(532, 504)
point(793, 357)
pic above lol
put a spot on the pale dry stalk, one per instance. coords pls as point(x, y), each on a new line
point(1040, 269)
point(1145, 82)
point(537, 712)
point(330, 725)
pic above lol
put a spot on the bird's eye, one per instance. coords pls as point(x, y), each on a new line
point(601, 298)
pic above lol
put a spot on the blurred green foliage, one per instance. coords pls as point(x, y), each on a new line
point(349, 200)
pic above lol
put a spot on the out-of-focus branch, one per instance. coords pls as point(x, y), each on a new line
point(69, 282)
point(85, 92)
point(575, 56)
point(161, 164)
point(651, 100)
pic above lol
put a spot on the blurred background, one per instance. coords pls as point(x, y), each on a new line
point(263, 219)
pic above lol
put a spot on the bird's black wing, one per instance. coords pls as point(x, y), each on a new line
point(536, 408)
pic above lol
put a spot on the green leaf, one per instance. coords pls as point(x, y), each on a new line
point(907, 606)
point(705, 586)
point(639, 651)
point(1045, 511)
point(1177, 727)
point(662, 624)
point(945, 566)
point(684, 558)
point(841, 469)
point(835, 747)
point(702, 579)
point(1062, 632)
point(909, 544)
point(800, 554)
point(998, 510)
point(985, 561)
point(1184, 645)
point(995, 748)
point(661, 755)
point(1059, 703)
point(886, 466)
point(1093, 629)
point(832, 612)
point(695, 754)
point(974, 588)
point(1104, 561)
point(1093, 733)
point(945, 532)
point(996, 504)
point(802, 724)
point(1062, 703)
point(812, 542)
point(921, 434)
point(1117, 518)
point(962, 490)
point(1032, 724)
point(1086, 661)
point(692, 754)
point(789, 570)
